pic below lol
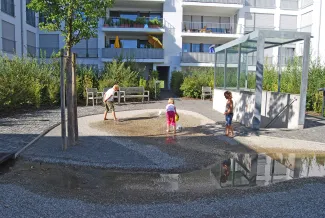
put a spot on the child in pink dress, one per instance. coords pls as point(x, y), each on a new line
point(170, 114)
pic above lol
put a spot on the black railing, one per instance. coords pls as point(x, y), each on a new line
point(86, 52)
point(8, 7)
point(8, 45)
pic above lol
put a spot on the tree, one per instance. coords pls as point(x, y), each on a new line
point(76, 20)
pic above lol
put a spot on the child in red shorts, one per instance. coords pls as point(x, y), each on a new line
point(170, 114)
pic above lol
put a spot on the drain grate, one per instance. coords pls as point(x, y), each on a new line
point(5, 156)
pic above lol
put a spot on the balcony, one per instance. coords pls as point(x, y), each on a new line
point(240, 2)
point(249, 29)
point(8, 45)
point(8, 7)
point(86, 52)
point(270, 4)
point(307, 28)
point(211, 28)
point(197, 57)
point(149, 54)
point(141, 24)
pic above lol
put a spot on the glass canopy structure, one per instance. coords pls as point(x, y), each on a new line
point(236, 53)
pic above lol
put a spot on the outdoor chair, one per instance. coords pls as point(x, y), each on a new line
point(206, 91)
point(93, 94)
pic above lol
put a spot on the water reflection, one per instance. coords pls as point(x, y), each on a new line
point(240, 170)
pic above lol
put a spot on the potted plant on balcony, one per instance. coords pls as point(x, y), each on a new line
point(125, 23)
point(140, 22)
point(108, 22)
point(154, 23)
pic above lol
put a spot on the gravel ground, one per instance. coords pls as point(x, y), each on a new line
point(305, 201)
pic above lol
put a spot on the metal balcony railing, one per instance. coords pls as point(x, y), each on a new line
point(261, 3)
point(86, 52)
point(8, 45)
point(135, 53)
point(140, 22)
point(249, 29)
point(307, 28)
point(48, 52)
point(207, 27)
point(240, 2)
point(31, 50)
point(202, 57)
point(8, 7)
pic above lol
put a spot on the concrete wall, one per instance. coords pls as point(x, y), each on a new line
point(272, 104)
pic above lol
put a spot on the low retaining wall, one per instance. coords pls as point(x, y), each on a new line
point(272, 104)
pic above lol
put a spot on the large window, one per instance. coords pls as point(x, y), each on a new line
point(30, 15)
point(129, 43)
point(194, 47)
point(8, 7)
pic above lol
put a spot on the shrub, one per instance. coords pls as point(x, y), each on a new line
point(86, 78)
point(176, 82)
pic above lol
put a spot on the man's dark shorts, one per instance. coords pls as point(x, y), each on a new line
point(109, 106)
point(229, 119)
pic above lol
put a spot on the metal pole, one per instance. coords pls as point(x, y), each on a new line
point(62, 96)
point(74, 88)
point(239, 67)
point(215, 71)
point(259, 81)
point(246, 72)
point(280, 68)
point(304, 82)
point(224, 70)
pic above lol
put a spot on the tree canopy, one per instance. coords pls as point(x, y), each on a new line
point(75, 19)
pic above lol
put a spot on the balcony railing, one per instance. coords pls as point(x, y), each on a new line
point(86, 52)
point(206, 27)
point(8, 7)
point(218, 1)
point(134, 53)
point(261, 4)
point(307, 29)
point(8, 45)
point(31, 51)
point(48, 52)
point(249, 29)
point(140, 22)
point(201, 57)
point(289, 5)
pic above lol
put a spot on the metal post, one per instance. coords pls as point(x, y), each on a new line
point(253, 173)
point(259, 81)
point(304, 82)
point(74, 96)
point(224, 70)
point(246, 71)
point(239, 67)
point(215, 71)
point(62, 96)
point(280, 68)
point(323, 108)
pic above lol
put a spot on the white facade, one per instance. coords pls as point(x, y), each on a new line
point(189, 28)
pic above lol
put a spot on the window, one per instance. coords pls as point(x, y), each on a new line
point(8, 7)
point(130, 16)
point(129, 43)
point(30, 15)
point(205, 47)
point(195, 47)
point(186, 47)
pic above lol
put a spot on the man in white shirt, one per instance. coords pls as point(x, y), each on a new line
point(109, 101)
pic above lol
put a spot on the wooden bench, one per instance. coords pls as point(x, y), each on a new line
point(135, 92)
point(206, 91)
point(122, 94)
point(93, 94)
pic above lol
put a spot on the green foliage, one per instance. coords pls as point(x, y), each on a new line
point(25, 82)
point(176, 82)
point(270, 78)
point(150, 86)
point(118, 73)
point(86, 78)
point(70, 17)
point(193, 82)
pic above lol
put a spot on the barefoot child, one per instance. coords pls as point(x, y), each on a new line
point(229, 114)
point(109, 102)
point(170, 114)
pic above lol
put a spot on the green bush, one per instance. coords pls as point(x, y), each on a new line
point(193, 82)
point(176, 82)
point(86, 78)
point(27, 82)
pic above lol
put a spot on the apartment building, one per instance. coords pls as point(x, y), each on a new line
point(167, 35)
